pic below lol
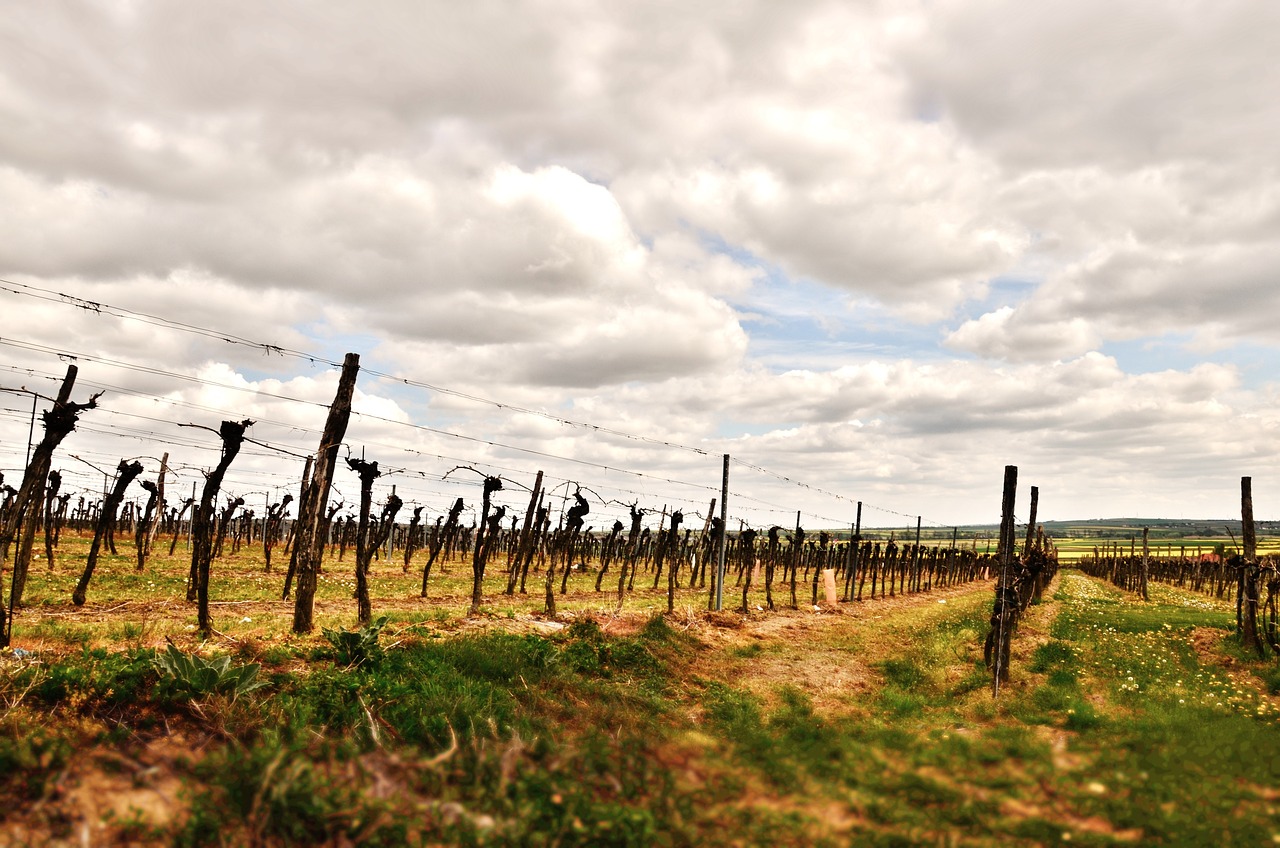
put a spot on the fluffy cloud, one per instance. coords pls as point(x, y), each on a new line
point(602, 210)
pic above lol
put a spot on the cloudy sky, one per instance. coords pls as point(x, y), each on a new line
point(879, 249)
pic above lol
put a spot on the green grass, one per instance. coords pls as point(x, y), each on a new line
point(1123, 723)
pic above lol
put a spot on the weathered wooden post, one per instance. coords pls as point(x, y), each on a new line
point(309, 545)
point(1249, 636)
point(721, 541)
point(1031, 519)
point(998, 639)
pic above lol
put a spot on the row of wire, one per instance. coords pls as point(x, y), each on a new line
point(157, 432)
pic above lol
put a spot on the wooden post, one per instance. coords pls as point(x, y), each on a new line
point(724, 533)
point(997, 647)
point(1146, 561)
point(310, 543)
point(1031, 519)
point(1249, 636)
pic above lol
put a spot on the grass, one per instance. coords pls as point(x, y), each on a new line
point(246, 602)
point(1123, 722)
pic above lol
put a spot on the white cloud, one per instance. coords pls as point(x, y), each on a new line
point(556, 204)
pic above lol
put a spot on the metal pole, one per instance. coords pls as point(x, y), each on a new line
point(724, 522)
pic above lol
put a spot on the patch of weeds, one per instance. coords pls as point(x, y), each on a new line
point(938, 802)
point(428, 691)
point(97, 679)
point(1271, 678)
point(1082, 716)
point(133, 827)
point(281, 792)
point(275, 654)
point(1053, 655)
point(808, 738)
point(746, 652)
point(359, 646)
point(902, 673)
point(901, 704)
point(608, 792)
point(979, 677)
point(192, 676)
point(656, 629)
point(738, 716)
point(1196, 770)
point(1020, 743)
point(587, 652)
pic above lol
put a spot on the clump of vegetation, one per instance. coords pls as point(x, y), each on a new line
point(360, 646)
point(193, 676)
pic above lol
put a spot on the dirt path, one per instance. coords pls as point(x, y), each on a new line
point(837, 667)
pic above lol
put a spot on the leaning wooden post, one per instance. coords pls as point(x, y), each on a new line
point(310, 542)
point(723, 536)
point(1249, 636)
point(1031, 520)
point(997, 647)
